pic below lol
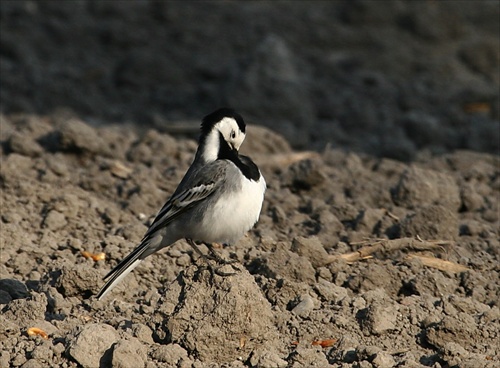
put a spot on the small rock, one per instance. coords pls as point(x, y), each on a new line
point(78, 280)
point(383, 360)
point(25, 311)
point(24, 145)
point(143, 333)
point(453, 354)
point(129, 354)
point(310, 248)
point(43, 352)
point(4, 358)
point(304, 175)
point(16, 289)
point(32, 363)
point(14, 166)
point(471, 199)
point(77, 136)
point(266, 358)
point(330, 227)
point(20, 359)
point(58, 348)
point(54, 220)
point(365, 352)
point(171, 354)
point(345, 212)
point(454, 327)
point(380, 318)
point(91, 346)
point(373, 278)
point(8, 327)
point(286, 264)
point(330, 291)
point(305, 306)
point(434, 283)
point(11, 217)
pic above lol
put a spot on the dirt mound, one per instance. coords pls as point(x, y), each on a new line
point(304, 297)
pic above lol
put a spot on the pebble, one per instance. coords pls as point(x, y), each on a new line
point(26, 146)
point(305, 306)
point(91, 343)
point(383, 360)
point(129, 354)
point(143, 333)
point(265, 358)
point(311, 248)
point(171, 353)
point(55, 220)
point(380, 318)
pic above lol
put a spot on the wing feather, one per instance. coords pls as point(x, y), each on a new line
point(205, 182)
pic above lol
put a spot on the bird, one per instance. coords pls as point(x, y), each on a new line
point(218, 200)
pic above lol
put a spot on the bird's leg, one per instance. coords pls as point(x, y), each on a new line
point(195, 247)
point(213, 256)
point(200, 253)
point(216, 256)
point(222, 262)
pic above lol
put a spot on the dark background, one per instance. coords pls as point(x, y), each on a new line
point(389, 78)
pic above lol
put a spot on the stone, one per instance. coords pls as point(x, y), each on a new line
point(92, 344)
point(129, 353)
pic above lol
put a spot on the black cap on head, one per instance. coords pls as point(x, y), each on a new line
point(210, 120)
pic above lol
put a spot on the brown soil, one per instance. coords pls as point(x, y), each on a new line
point(68, 188)
point(358, 260)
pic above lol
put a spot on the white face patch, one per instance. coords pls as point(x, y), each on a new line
point(231, 132)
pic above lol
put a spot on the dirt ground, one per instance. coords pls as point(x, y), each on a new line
point(69, 188)
point(376, 128)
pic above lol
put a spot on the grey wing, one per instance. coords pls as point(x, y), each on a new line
point(200, 184)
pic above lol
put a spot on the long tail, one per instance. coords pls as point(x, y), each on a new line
point(123, 268)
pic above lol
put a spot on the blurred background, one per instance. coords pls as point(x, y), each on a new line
point(387, 78)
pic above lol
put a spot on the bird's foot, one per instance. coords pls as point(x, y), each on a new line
point(219, 272)
point(222, 262)
point(215, 257)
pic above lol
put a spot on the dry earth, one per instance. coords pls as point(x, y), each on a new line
point(83, 85)
point(68, 188)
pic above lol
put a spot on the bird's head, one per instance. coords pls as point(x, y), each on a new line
point(220, 130)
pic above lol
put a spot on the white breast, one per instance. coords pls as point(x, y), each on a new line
point(235, 212)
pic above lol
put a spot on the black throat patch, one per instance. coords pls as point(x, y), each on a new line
point(244, 163)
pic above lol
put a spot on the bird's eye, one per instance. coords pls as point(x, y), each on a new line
point(233, 134)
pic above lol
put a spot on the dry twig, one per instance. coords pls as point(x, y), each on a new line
point(439, 264)
point(387, 245)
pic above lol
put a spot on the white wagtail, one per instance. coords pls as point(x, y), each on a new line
point(218, 200)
